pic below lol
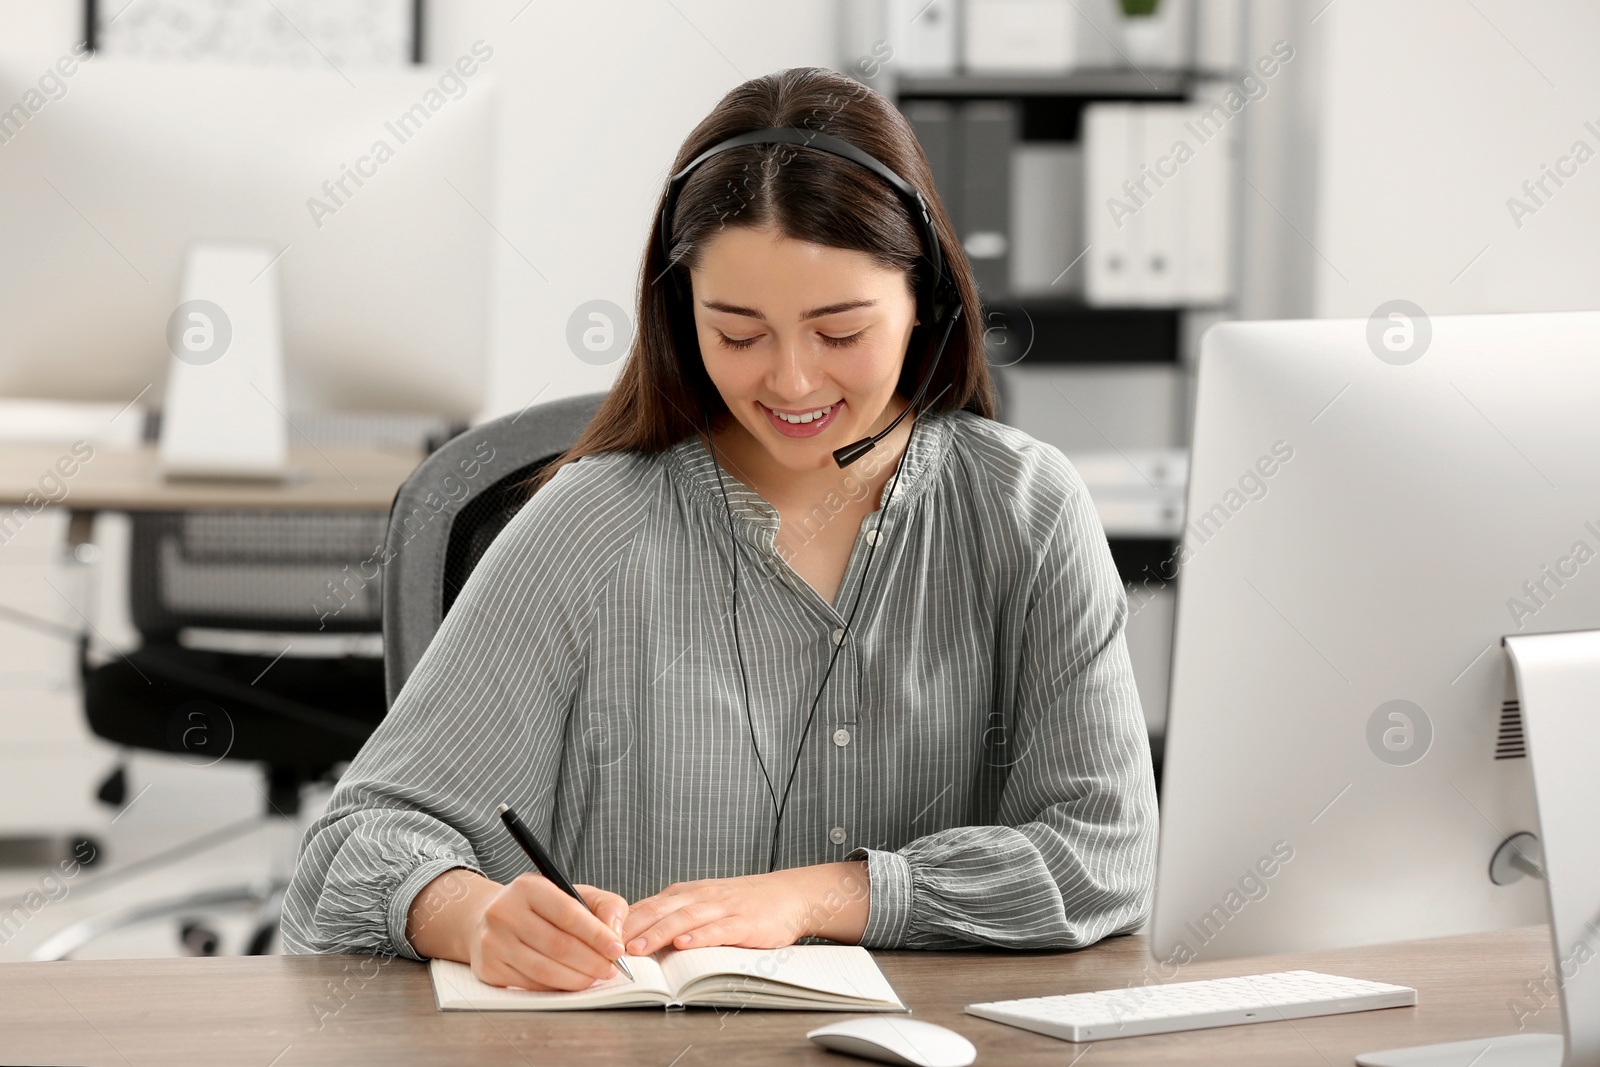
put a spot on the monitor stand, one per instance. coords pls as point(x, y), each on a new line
point(224, 410)
point(1558, 688)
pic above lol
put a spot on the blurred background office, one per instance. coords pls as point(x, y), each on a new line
point(434, 212)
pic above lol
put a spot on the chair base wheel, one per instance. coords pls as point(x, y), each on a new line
point(198, 939)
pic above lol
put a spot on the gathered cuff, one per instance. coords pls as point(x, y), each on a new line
point(405, 894)
point(889, 900)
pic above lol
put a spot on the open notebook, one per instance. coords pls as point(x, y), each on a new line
point(802, 977)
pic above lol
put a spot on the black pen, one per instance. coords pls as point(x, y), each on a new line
point(547, 866)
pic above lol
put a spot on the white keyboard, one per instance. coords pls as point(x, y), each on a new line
point(1163, 1009)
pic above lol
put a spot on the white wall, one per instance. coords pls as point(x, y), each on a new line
point(1434, 112)
point(1279, 161)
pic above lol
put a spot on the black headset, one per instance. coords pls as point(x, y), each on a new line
point(938, 303)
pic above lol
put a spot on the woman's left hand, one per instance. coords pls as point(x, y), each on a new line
point(755, 911)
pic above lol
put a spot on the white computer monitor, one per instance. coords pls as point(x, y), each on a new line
point(1366, 521)
point(385, 253)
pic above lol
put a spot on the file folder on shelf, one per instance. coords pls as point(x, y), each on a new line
point(1014, 36)
point(1136, 492)
point(1158, 204)
point(987, 133)
point(934, 123)
point(924, 35)
point(894, 37)
point(1047, 219)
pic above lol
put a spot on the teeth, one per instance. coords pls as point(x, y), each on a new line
point(801, 420)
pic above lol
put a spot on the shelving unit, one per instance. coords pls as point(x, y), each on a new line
point(1109, 83)
point(1111, 386)
point(1067, 330)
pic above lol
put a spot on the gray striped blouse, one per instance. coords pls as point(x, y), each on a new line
point(980, 742)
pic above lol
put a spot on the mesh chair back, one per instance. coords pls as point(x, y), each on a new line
point(449, 511)
point(270, 571)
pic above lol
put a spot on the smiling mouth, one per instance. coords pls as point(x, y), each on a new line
point(805, 418)
point(805, 424)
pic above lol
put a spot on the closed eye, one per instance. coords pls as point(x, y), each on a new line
point(842, 342)
point(736, 342)
point(827, 339)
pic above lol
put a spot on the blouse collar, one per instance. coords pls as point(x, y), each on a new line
point(692, 467)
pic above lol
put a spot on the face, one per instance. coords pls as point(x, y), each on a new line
point(793, 327)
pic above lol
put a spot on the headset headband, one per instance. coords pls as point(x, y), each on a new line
point(822, 142)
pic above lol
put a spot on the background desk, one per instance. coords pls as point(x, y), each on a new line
point(260, 1011)
point(330, 477)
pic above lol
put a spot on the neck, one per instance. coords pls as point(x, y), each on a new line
point(748, 460)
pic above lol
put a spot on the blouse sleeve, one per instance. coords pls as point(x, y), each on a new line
point(1073, 858)
point(478, 723)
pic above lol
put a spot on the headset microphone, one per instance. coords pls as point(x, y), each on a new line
point(852, 452)
point(939, 304)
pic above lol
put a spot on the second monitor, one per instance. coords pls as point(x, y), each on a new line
point(373, 190)
point(1345, 753)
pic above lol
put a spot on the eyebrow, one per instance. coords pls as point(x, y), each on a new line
point(814, 313)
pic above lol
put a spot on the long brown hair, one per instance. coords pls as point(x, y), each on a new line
point(663, 392)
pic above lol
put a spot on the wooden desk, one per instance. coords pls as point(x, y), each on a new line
point(327, 478)
point(260, 1011)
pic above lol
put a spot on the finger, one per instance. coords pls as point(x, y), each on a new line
point(609, 908)
point(503, 957)
point(728, 931)
point(515, 964)
point(511, 962)
point(642, 915)
point(548, 901)
point(645, 913)
point(530, 944)
point(560, 945)
point(679, 921)
point(517, 916)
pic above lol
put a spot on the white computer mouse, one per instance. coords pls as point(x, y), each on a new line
point(890, 1039)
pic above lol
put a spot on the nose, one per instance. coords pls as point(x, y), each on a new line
point(795, 373)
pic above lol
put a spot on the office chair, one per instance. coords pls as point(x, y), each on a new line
point(233, 574)
point(432, 553)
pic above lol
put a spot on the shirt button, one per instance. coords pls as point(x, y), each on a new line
point(872, 537)
point(838, 636)
point(841, 737)
point(837, 835)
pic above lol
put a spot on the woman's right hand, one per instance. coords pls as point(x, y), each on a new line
point(532, 935)
point(527, 934)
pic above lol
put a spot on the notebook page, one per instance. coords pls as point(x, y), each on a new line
point(456, 986)
point(842, 970)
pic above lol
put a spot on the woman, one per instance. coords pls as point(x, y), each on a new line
point(745, 696)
